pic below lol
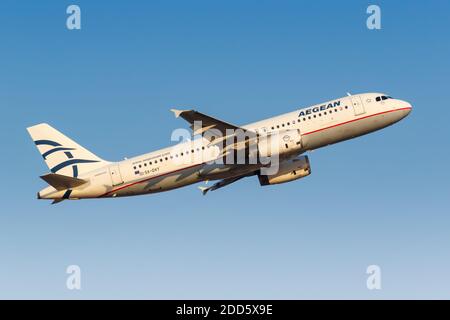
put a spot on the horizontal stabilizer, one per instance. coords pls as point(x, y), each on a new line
point(60, 182)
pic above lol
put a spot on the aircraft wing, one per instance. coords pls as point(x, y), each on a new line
point(201, 123)
point(223, 183)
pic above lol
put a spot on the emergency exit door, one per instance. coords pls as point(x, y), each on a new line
point(358, 107)
point(116, 177)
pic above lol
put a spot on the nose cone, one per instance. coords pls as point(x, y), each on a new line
point(407, 108)
point(404, 109)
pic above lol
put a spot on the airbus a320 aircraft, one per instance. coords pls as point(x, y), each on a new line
point(77, 173)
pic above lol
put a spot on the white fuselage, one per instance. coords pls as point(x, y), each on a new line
point(190, 162)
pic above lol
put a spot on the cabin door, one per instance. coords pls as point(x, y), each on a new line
point(116, 177)
point(358, 106)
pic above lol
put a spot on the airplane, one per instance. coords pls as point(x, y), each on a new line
point(76, 173)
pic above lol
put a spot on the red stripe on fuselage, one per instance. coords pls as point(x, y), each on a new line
point(342, 123)
point(147, 179)
point(306, 133)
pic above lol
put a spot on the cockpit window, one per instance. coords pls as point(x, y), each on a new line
point(382, 98)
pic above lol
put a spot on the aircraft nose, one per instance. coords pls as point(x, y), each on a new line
point(404, 108)
point(407, 108)
point(407, 105)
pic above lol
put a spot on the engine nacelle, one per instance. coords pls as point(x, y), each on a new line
point(283, 144)
point(289, 170)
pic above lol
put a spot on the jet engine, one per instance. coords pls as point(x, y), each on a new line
point(289, 170)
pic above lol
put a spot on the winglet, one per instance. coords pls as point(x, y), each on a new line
point(177, 112)
point(204, 190)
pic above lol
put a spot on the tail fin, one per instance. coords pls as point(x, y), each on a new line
point(61, 154)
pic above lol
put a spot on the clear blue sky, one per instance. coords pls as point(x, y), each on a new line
point(380, 199)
